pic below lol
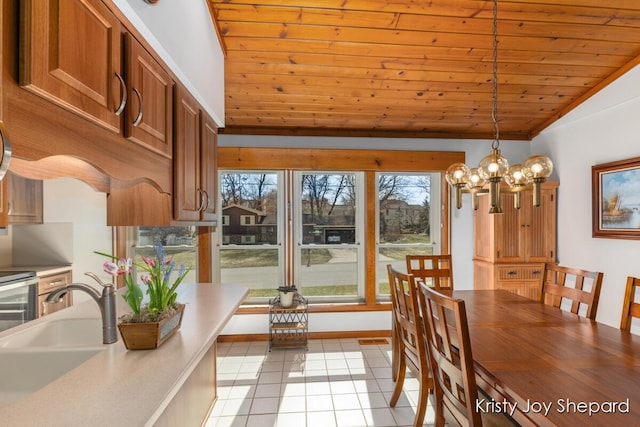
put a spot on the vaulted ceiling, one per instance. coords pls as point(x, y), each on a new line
point(412, 68)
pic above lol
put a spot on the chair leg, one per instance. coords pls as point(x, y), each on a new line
point(423, 403)
point(402, 370)
point(439, 407)
point(395, 353)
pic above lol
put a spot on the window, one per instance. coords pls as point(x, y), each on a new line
point(225, 220)
point(329, 227)
point(406, 222)
point(248, 251)
point(329, 230)
point(247, 220)
point(180, 243)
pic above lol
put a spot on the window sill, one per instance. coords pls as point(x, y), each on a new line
point(322, 308)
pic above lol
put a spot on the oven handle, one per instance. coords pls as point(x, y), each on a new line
point(20, 284)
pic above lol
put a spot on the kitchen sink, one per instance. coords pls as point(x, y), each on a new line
point(60, 333)
point(25, 371)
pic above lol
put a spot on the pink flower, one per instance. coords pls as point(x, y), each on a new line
point(122, 266)
point(151, 262)
point(145, 279)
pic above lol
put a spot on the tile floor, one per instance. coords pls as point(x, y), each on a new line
point(335, 383)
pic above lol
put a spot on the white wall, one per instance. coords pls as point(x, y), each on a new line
point(461, 220)
point(603, 129)
point(71, 200)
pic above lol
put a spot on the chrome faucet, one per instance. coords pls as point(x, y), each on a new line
point(106, 302)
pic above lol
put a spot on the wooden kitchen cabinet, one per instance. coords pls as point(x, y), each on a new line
point(149, 118)
point(46, 284)
point(82, 74)
point(24, 200)
point(20, 200)
point(195, 163)
point(510, 249)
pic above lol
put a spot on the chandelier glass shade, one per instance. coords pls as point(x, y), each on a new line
point(494, 168)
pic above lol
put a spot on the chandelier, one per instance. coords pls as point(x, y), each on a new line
point(494, 168)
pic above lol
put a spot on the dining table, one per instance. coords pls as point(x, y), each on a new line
point(543, 366)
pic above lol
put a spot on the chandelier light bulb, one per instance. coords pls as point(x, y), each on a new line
point(475, 183)
point(457, 176)
point(540, 166)
point(493, 166)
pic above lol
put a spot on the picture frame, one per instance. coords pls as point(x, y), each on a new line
point(616, 199)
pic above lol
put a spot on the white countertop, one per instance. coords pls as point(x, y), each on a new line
point(40, 270)
point(119, 387)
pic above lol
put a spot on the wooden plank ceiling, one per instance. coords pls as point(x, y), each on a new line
point(411, 68)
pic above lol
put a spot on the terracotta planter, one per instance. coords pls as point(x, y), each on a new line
point(146, 336)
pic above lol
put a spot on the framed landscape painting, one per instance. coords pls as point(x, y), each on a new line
point(616, 199)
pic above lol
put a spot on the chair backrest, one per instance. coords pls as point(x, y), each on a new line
point(581, 287)
point(434, 270)
point(630, 308)
point(404, 298)
point(449, 350)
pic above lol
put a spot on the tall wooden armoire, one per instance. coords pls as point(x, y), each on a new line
point(510, 249)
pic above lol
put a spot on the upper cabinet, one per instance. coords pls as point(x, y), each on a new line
point(149, 118)
point(72, 56)
point(527, 234)
point(209, 165)
point(24, 200)
point(195, 162)
point(20, 200)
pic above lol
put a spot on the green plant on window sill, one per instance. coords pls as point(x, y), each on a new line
point(161, 290)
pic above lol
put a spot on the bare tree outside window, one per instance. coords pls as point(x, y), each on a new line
point(404, 221)
point(249, 253)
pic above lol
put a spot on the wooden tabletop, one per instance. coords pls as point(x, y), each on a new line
point(543, 359)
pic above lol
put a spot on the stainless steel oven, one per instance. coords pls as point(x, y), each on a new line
point(18, 298)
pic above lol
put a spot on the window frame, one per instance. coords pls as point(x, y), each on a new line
point(298, 238)
point(368, 161)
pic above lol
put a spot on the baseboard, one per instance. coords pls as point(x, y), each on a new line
point(312, 335)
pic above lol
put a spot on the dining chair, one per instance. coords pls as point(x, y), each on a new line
point(451, 359)
point(580, 287)
point(434, 270)
point(412, 350)
point(630, 308)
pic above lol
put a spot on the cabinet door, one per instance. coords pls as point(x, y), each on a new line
point(24, 200)
point(509, 230)
point(187, 195)
point(149, 117)
point(541, 228)
point(208, 166)
point(71, 55)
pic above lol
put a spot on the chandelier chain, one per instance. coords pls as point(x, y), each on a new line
point(494, 107)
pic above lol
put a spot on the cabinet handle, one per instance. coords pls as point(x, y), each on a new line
point(123, 95)
point(511, 273)
point(6, 154)
point(138, 118)
point(206, 205)
point(201, 197)
point(537, 272)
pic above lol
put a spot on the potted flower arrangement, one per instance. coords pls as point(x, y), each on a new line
point(151, 324)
